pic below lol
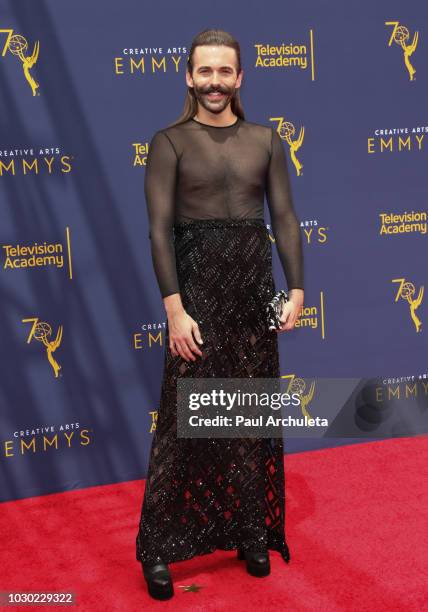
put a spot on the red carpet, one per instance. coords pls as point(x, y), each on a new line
point(356, 527)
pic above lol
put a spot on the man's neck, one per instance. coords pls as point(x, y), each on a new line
point(222, 119)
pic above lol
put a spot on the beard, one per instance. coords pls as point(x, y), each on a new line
point(210, 103)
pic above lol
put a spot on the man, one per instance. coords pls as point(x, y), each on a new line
point(205, 181)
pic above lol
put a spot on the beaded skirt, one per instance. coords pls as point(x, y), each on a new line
point(217, 493)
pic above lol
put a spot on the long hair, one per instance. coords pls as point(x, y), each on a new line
point(210, 37)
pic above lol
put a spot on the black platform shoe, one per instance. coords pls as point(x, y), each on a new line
point(258, 563)
point(159, 582)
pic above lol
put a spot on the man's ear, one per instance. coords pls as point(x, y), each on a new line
point(189, 80)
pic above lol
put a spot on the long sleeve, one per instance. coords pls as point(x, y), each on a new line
point(285, 224)
point(159, 189)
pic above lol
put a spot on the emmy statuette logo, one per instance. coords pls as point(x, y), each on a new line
point(407, 291)
point(298, 386)
point(287, 131)
point(18, 46)
point(400, 35)
point(42, 332)
point(154, 415)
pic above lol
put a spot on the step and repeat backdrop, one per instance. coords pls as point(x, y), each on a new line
point(84, 86)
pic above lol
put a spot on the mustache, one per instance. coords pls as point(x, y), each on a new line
point(215, 90)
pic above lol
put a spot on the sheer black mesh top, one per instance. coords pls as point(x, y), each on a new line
point(198, 171)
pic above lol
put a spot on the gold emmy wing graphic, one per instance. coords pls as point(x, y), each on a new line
point(400, 35)
point(42, 331)
point(298, 385)
point(287, 130)
point(407, 291)
point(17, 45)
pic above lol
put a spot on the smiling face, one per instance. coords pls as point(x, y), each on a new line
point(214, 77)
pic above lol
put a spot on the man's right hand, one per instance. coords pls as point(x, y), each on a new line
point(183, 330)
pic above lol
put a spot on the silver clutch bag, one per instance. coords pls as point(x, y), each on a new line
point(274, 309)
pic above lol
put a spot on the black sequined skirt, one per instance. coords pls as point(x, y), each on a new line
point(207, 494)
